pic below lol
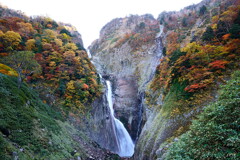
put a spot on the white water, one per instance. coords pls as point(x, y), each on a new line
point(126, 146)
point(89, 54)
point(161, 27)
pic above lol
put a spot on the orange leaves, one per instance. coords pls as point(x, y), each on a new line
point(85, 86)
point(195, 87)
point(172, 43)
point(226, 36)
point(233, 46)
point(218, 64)
point(3, 54)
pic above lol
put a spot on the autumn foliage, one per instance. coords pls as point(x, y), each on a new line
point(200, 63)
point(65, 66)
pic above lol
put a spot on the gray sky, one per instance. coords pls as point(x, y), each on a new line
point(89, 16)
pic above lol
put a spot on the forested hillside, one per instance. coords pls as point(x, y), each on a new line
point(47, 83)
point(50, 57)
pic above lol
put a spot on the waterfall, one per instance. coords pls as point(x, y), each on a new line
point(126, 146)
point(89, 54)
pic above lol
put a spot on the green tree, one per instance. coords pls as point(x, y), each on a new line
point(66, 32)
point(208, 35)
point(235, 31)
point(24, 63)
point(203, 10)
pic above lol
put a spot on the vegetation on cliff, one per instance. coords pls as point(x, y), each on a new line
point(201, 51)
point(202, 46)
point(215, 133)
point(46, 83)
point(31, 129)
point(50, 56)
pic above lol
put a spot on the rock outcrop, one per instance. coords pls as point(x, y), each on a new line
point(127, 53)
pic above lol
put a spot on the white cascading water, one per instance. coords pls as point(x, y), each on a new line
point(126, 145)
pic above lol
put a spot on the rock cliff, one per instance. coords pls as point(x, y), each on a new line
point(127, 53)
point(168, 98)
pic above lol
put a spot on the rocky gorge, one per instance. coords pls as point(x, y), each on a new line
point(128, 70)
point(127, 53)
point(149, 88)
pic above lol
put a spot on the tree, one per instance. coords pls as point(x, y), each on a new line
point(70, 47)
point(25, 29)
point(184, 22)
point(235, 31)
point(208, 35)
point(66, 32)
point(172, 43)
point(10, 40)
point(49, 35)
point(202, 10)
point(23, 62)
point(30, 45)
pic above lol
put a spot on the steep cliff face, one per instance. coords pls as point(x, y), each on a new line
point(100, 126)
point(172, 98)
point(127, 53)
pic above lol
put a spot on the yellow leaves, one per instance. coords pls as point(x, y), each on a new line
point(215, 19)
point(77, 59)
point(49, 35)
point(230, 14)
point(52, 64)
point(7, 70)
point(30, 44)
point(70, 47)
point(175, 112)
point(58, 42)
point(70, 86)
point(214, 26)
point(66, 37)
point(167, 59)
point(191, 48)
point(10, 39)
point(1, 33)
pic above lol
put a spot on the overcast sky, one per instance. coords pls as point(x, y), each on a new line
point(89, 16)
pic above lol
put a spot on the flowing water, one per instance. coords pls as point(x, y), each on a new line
point(126, 146)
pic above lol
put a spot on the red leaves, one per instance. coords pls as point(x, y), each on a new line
point(195, 87)
point(218, 64)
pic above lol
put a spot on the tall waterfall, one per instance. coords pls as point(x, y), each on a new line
point(126, 146)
